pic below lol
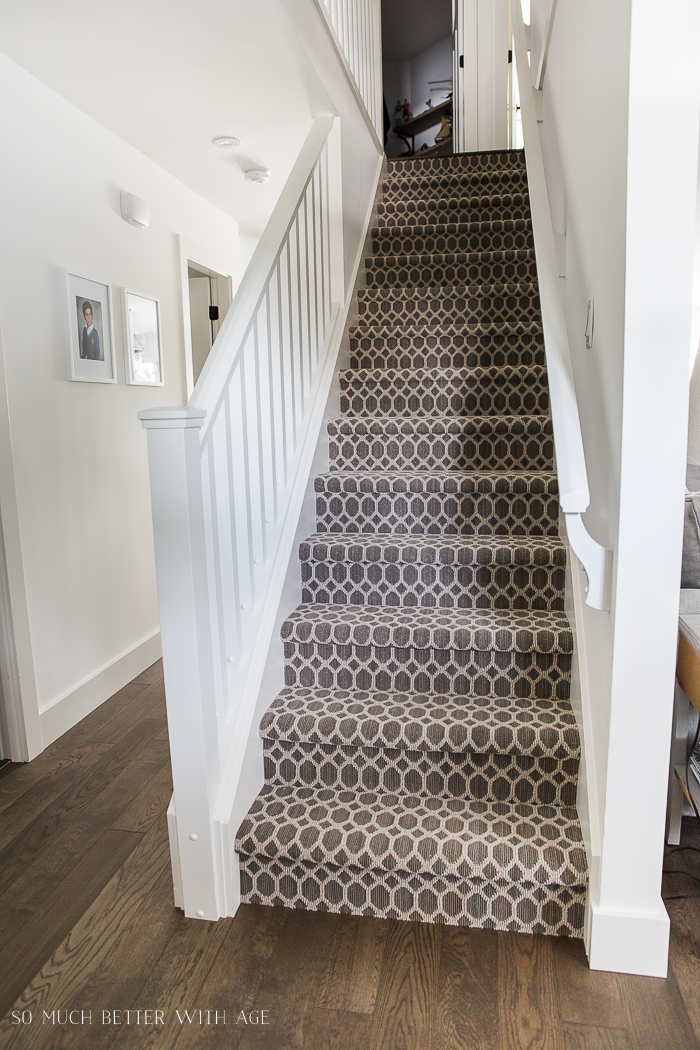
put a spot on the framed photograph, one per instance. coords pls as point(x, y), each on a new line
point(142, 345)
point(89, 330)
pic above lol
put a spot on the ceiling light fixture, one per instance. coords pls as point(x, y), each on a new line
point(257, 175)
point(226, 140)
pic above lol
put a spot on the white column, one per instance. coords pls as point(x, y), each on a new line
point(178, 527)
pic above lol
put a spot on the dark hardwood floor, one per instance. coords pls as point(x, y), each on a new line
point(87, 928)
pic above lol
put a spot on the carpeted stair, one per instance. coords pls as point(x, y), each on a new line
point(421, 762)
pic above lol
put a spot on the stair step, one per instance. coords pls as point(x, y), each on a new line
point(417, 744)
point(446, 346)
point(438, 238)
point(459, 163)
point(455, 184)
point(503, 442)
point(511, 390)
point(413, 212)
point(433, 572)
point(462, 862)
point(463, 651)
point(432, 271)
point(475, 503)
point(492, 303)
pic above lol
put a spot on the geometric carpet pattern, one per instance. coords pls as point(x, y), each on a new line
point(421, 762)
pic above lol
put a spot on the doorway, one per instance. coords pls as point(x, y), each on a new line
point(210, 297)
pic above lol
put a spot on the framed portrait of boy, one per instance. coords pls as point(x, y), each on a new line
point(89, 330)
point(142, 342)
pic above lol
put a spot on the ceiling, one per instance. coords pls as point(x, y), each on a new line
point(168, 76)
point(410, 26)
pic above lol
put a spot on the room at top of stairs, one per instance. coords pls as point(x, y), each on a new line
point(421, 762)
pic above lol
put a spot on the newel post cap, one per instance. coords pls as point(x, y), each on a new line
point(172, 418)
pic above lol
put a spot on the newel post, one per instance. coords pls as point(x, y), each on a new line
point(178, 527)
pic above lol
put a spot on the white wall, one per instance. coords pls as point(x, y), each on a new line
point(620, 130)
point(75, 494)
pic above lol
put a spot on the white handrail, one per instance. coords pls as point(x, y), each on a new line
point(574, 495)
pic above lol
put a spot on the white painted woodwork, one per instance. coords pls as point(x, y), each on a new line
point(228, 474)
point(541, 24)
point(481, 82)
point(574, 495)
point(356, 30)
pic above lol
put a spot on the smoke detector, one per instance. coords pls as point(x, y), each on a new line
point(257, 175)
point(226, 140)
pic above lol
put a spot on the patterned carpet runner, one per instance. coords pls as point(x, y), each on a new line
point(421, 762)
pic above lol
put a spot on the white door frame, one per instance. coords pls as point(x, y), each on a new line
point(196, 253)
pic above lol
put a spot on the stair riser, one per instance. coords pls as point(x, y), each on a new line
point(521, 587)
point(462, 672)
point(454, 451)
point(430, 774)
point(424, 240)
point(422, 213)
point(400, 394)
point(434, 275)
point(439, 513)
point(477, 163)
point(445, 347)
point(445, 186)
point(445, 900)
point(433, 306)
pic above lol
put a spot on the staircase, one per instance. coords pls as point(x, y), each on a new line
point(421, 762)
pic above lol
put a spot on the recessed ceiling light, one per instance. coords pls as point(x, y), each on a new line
point(226, 140)
point(257, 175)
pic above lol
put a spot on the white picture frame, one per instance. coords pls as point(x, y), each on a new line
point(143, 350)
point(89, 329)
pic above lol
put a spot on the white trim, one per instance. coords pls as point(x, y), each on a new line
point(66, 711)
point(196, 253)
point(628, 942)
point(178, 895)
point(24, 715)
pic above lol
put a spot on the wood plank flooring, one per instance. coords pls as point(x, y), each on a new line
point(87, 928)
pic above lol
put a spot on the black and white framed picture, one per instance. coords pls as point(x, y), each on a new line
point(89, 330)
point(142, 343)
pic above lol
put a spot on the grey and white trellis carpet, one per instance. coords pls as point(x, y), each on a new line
point(421, 762)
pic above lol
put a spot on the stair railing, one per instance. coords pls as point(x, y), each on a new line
point(355, 27)
point(228, 474)
point(574, 496)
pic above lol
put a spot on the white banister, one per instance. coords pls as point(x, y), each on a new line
point(574, 495)
point(228, 473)
point(355, 28)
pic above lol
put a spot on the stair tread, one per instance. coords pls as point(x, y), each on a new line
point(451, 290)
point(431, 550)
point(380, 262)
point(464, 200)
point(443, 426)
point(477, 226)
point(483, 630)
point(496, 841)
point(467, 328)
point(421, 374)
point(423, 722)
point(454, 481)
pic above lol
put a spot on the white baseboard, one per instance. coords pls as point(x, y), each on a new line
point(633, 942)
point(65, 712)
